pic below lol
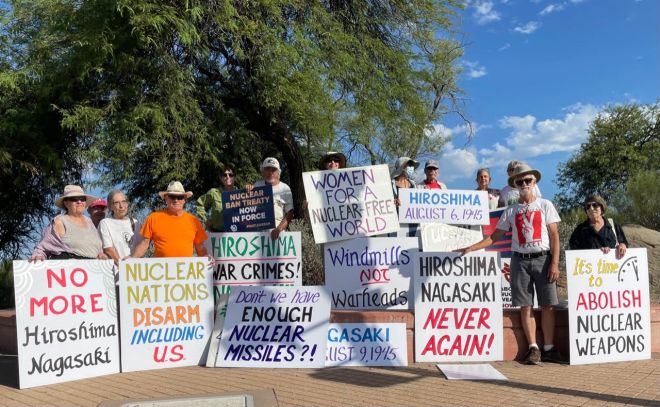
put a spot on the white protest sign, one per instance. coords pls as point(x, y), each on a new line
point(370, 273)
point(253, 258)
point(609, 306)
point(66, 320)
point(350, 202)
point(166, 312)
point(367, 344)
point(459, 207)
point(275, 327)
point(458, 308)
point(438, 237)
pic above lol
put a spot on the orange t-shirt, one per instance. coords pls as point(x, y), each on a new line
point(173, 236)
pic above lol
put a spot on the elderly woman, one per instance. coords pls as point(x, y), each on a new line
point(117, 230)
point(597, 232)
point(70, 235)
point(332, 160)
point(483, 181)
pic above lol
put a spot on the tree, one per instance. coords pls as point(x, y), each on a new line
point(623, 140)
point(640, 201)
point(149, 91)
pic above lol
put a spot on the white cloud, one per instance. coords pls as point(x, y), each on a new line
point(552, 8)
point(528, 28)
point(457, 163)
point(504, 47)
point(473, 69)
point(484, 12)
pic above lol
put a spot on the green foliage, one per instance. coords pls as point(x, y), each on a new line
point(312, 253)
point(6, 285)
point(640, 202)
point(623, 140)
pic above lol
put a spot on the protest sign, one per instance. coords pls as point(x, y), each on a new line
point(609, 306)
point(438, 237)
point(166, 312)
point(458, 308)
point(253, 258)
point(458, 207)
point(350, 202)
point(370, 273)
point(502, 246)
point(367, 344)
point(244, 211)
point(275, 327)
point(66, 320)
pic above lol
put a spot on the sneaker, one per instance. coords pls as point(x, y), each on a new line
point(552, 355)
point(533, 356)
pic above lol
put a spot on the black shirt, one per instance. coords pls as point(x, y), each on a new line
point(585, 237)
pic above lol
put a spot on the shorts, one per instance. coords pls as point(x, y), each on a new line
point(527, 274)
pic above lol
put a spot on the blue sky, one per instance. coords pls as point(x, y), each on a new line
point(536, 73)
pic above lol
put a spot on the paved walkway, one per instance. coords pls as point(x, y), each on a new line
point(422, 384)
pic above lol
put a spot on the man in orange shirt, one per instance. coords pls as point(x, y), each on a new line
point(173, 230)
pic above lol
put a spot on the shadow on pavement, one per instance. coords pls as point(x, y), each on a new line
point(9, 371)
point(379, 377)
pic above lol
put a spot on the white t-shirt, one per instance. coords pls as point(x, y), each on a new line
point(510, 195)
point(529, 223)
point(116, 233)
point(282, 199)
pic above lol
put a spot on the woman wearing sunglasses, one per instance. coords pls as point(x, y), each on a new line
point(598, 232)
point(332, 160)
point(212, 200)
point(71, 235)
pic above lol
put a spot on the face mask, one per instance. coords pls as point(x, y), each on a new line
point(410, 171)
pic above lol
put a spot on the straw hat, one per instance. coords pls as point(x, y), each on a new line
point(523, 169)
point(71, 191)
point(175, 188)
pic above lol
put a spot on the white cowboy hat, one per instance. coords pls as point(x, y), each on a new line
point(175, 188)
point(71, 191)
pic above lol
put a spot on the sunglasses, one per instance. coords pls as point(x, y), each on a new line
point(591, 205)
point(333, 160)
point(228, 174)
point(524, 181)
point(177, 197)
point(76, 199)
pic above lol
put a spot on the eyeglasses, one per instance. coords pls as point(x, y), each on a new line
point(177, 197)
point(591, 205)
point(228, 174)
point(525, 181)
point(76, 199)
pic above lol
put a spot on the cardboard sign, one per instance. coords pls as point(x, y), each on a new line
point(275, 327)
point(438, 237)
point(166, 312)
point(370, 273)
point(351, 202)
point(459, 207)
point(367, 344)
point(502, 246)
point(458, 308)
point(244, 211)
point(609, 306)
point(66, 320)
point(255, 259)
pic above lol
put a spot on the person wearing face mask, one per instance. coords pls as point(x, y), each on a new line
point(597, 232)
point(403, 174)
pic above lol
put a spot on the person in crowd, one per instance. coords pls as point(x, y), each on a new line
point(174, 231)
point(403, 177)
point(431, 171)
point(282, 196)
point(597, 232)
point(70, 235)
point(535, 261)
point(509, 195)
point(117, 230)
point(332, 160)
point(213, 200)
point(97, 210)
point(483, 181)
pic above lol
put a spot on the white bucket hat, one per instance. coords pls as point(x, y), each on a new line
point(175, 188)
point(71, 191)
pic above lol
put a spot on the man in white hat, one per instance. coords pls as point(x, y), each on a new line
point(535, 261)
point(282, 196)
point(173, 230)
